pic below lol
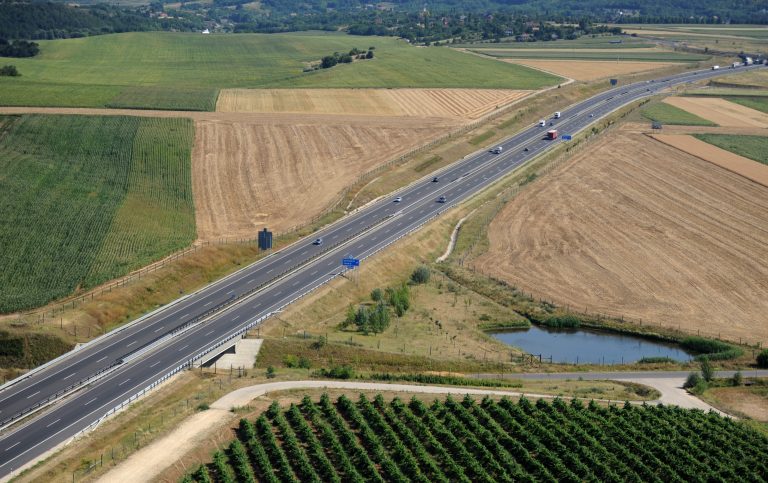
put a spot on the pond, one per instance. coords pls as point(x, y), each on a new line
point(582, 346)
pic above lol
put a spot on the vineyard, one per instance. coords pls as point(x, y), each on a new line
point(486, 441)
point(86, 199)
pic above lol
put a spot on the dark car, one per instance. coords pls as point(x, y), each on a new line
point(441, 199)
point(318, 241)
point(435, 180)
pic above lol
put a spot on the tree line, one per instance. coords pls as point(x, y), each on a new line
point(18, 48)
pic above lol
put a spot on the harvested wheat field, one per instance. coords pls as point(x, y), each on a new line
point(740, 165)
point(248, 175)
point(590, 69)
point(465, 104)
point(632, 226)
point(720, 111)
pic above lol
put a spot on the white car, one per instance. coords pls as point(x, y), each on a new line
point(398, 199)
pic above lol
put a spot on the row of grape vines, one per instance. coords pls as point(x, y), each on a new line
point(486, 441)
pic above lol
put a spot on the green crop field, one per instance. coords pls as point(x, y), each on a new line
point(599, 42)
point(463, 441)
point(759, 103)
point(668, 114)
point(619, 55)
point(89, 198)
point(752, 147)
point(185, 70)
point(738, 30)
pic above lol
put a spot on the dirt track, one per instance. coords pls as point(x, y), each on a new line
point(462, 104)
point(586, 70)
point(720, 111)
point(631, 226)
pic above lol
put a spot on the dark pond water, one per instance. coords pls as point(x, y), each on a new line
point(588, 347)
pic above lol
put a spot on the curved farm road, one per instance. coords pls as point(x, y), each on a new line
point(149, 462)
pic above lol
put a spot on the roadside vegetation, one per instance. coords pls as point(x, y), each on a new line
point(87, 199)
point(752, 147)
point(668, 114)
point(469, 440)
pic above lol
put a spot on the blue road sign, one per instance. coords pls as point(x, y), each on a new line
point(350, 262)
point(566, 137)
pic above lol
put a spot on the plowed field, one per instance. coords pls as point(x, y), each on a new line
point(634, 227)
point(720, 111)
point(458, 103)
point(248, 175)
point(590, 70)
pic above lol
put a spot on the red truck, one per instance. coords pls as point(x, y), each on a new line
point(552, 134)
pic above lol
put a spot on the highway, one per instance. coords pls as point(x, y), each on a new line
point(134, 357)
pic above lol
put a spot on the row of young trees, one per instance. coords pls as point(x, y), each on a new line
point(487, 441)
point(345, 58)
point(18, 48)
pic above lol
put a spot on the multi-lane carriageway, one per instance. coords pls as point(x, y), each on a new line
point(132, 358)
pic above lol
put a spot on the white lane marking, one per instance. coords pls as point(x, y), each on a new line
point(53, 423)
point(33, 395)
point(278, 293)
point(295, 283)
point(235, 318)
point(124, 382)
point(183, 348)
point(350, 228)
point(153, 365)
point(270, 270)
point(209, 333)
point(70, 375)
point(161, 328)
point(209, 303)
point(302, 253)
point(129, 345)
point(89, 402)
point(11, 446)
point(313, 273)
point(251, 280)
point(102, 359)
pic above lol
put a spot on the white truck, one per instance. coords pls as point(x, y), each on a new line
point(542, 123)
point(748, 61)
point(715, 67)
point(497, 150)
point(557, 115)
point(735, 64)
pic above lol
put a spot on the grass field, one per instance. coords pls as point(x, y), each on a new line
point(667, 114)
point(619, 55)
point(467, 440)
point(85, 199)
point(758, 103)
point(580, 43)
point(184, 70)
point(752, 147)
point(740, 30)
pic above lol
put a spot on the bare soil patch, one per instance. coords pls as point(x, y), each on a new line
point(455, 103)
point(720, 111)
point(746, 167)
point(250, 175)
point(634, 227)
point(751, 402)
point(590, 69)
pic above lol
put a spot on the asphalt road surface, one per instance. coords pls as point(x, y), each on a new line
point(132, 358)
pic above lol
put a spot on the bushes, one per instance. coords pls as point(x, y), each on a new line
point(376, 318)
point(336, 372)
point(437, 379)
point(562, 321)
point(762, 359)
point(420, 275)
point(656, 360)
point(714, 350)
point(9, 71)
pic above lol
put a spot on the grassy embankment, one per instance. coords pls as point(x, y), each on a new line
point(752, 147)
point(620, 54)
point(183, 71)
point(587, 42)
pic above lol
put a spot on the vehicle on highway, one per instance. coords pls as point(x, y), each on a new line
point(441, 199)
point(318, 241)
point(542, 123)
point(557, 115)
point(591, 115)
point(435, 180)
point(497, 150)
point(526, 150)
point(398, 199)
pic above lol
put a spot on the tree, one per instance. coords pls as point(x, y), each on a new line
point(737, 379)
point(328, 61)
point(706, 370)
point(377, 295)
point(420, 275)
point(762, 359)
point(9, 70)
point(693, 379)
point(369, 55)
point(271, 373)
